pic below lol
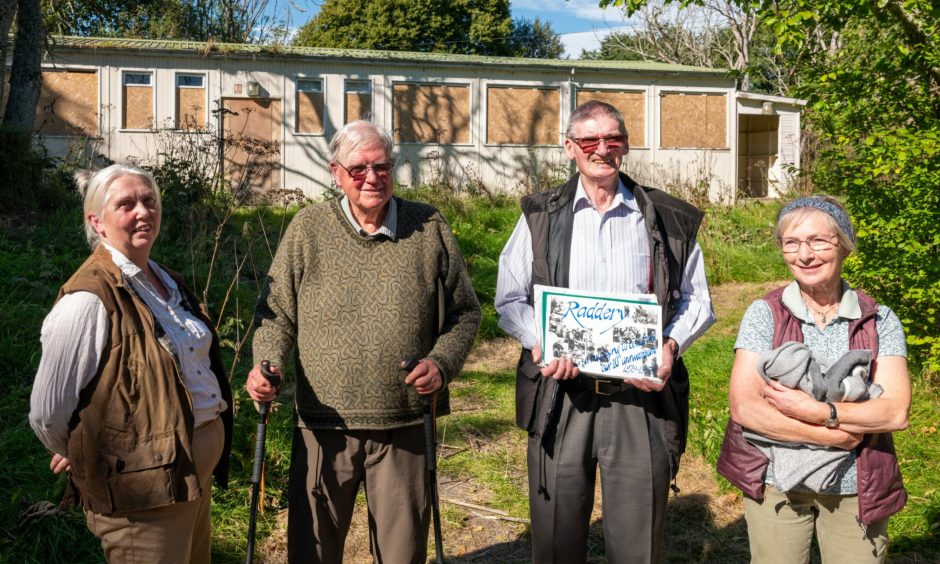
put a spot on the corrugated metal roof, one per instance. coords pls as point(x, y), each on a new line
point(290, 51)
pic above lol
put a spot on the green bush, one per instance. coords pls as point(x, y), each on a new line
point(31, 179)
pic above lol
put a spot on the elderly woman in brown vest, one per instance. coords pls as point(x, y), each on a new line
point(818, 385)
point(130, 397)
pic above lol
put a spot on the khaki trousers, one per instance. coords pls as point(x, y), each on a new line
point(780, 529)
point(327, 467)
point(180, 533)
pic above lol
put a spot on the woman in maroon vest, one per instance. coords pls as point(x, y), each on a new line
point(789, 392)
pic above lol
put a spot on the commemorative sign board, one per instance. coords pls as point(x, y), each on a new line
point(611, 335)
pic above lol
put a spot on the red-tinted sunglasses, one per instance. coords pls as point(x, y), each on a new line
point(590, 144)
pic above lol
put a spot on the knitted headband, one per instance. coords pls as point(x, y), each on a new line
point(834, 211)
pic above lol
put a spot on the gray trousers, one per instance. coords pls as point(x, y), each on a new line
point(617, 434)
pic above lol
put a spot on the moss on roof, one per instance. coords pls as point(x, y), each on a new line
point(289, 51)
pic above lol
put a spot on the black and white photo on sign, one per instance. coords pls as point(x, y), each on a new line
point(613, 335)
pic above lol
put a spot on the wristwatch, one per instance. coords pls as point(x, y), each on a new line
point(833, 420)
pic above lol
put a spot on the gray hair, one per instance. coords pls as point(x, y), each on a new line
point(357, 134)
point(95, 189)
point(593, 108)
point(832, 210)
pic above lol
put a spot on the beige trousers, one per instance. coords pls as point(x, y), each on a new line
point(327, 467)
point(174, 534)
point(780, 529)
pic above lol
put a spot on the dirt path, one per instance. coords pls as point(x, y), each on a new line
point(704, 525)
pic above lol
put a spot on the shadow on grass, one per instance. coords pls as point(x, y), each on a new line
point(691, 536)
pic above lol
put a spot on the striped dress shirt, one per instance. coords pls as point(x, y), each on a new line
point(610, 252)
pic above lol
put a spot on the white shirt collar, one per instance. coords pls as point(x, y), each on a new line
point(131, 270)
point(792, 298)
point(388, 228)
point(621, 197)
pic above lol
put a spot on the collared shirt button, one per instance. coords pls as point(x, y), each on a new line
point(199, 372)
point(212, 396)
point(191, 349)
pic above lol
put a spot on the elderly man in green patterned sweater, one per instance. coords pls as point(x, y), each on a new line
point(357, 285)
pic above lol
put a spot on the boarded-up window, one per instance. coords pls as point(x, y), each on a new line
point(309, 105)
point(358, 100)
point(138, 101)
point(694, 121)
point(68, 104)
point(190, 101)
point(523, 116)
point(631, 104)
point(431, 113)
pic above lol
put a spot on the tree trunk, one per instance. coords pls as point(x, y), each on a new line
point(26, 74)
point(7, 11)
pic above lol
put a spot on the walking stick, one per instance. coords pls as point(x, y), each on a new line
point(430, 449)
point(258, 470)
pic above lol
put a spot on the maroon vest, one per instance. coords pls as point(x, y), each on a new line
point(880, 490)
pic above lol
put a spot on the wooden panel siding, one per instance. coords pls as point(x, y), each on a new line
point(694, 121)
point(523, 116)
point(631, 104)
point(68, 104)
point(431, 113)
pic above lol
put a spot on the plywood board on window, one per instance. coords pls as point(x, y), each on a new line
point(631, 104)
point(693, 121)
point(191, 108)
point(310, 112)
point(252, 148)
point(522, 116)
point(138, 107)
point(431, 113)
point(68, 104)
point(358, 106)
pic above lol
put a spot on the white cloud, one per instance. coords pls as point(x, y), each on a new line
point(585, 40)
point(578, 9)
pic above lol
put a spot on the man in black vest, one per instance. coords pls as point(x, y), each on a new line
point(600, 231)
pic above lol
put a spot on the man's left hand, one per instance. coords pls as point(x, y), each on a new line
point(426, 378)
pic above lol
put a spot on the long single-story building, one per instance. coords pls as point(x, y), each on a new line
point(456, 119)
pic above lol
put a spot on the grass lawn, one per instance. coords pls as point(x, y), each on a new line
point(482, 470)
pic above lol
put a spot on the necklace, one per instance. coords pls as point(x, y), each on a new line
point(823, 313)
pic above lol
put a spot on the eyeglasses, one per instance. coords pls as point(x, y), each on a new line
point(359, 172)
point(590, 144)
point(816, 243)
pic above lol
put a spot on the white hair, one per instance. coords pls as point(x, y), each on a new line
point(95, 189)
point(357, 134)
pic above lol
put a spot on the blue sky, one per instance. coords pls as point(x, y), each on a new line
point(580, 22)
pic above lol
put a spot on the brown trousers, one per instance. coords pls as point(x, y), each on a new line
point(180, 533)
point(616, 434)
point(327, 467)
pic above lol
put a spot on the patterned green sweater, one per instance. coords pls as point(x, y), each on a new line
point(353, 307)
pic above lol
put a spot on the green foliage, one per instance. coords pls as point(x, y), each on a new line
point(871, 72)
point(880, 118)
point(534, 39)
point(738, 244)
point(473, 27)
point(463, 26)
point(31, 179)
point(234, 21)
